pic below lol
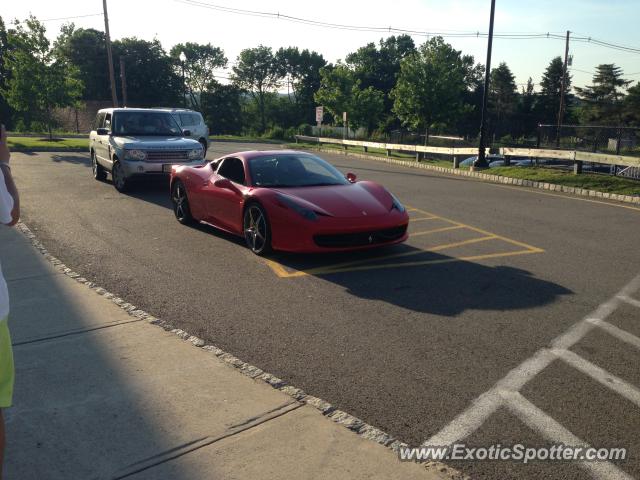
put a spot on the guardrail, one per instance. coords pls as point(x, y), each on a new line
point(574, 156)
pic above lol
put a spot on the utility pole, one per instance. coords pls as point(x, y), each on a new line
point(481, 162)
point(562, 88)
point(123, 81)
point(112, 76)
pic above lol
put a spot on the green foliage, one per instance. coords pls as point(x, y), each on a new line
point(632, 105)
point(603, 99)
point(85, 49)
point(258, 73)
point(6, 112)
point(151, 76)
point(431, 86)
point(38, 82)
point(340, 91)
point(199, 66)
point(550, 88)
point(222, 109)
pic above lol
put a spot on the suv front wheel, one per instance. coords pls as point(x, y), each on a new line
point(120, 181)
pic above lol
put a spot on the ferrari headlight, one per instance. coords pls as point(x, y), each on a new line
point(195, 154)
point(306, 213)
point(137, 155)
point(396, 204)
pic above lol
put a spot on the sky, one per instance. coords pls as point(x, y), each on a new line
point(173, 21)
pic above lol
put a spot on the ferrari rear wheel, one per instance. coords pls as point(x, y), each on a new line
point(256, 229)
point(181, 203)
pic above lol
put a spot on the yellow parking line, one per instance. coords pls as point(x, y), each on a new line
point(484, 232)
point(282, 272)
point(422, 218)
point(428, 262)
point(436, 230)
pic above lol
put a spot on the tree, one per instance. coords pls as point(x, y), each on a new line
point(378, 67)
point(503, 97)
point(340, 92)
point(632, 105)
point(550, 88)
point(430, 86)
point(6, 112)
point(199, 66)
point(38, 83)
point(258, 73)
point(222, 108)
point(86, 50)
point(301, 70)
point(526, 118)
point(151, 76)
point(603, 99)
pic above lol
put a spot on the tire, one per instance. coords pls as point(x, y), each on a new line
point(203, 142)
point(180, 203)
point(120, 182)
point(256, 228)
point(98, 170)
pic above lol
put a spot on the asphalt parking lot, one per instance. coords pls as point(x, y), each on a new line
point(409, 337)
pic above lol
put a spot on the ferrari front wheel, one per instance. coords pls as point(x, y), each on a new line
point(181, 203)
point(256, 229)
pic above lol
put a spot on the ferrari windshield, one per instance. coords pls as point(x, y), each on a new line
point(293, 170)
point(145, 123)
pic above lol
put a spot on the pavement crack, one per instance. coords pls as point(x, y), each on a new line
point(74, 332)
point(194, 445)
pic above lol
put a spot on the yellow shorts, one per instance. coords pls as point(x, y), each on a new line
point(6, 366)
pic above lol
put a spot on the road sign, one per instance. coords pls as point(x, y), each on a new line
point(344, 117)
point(319, 114)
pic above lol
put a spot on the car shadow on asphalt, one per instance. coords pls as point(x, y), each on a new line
point(73, 159)
point(428, 282)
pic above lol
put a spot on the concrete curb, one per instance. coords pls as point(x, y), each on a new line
point(635, 200)
point(354, 424)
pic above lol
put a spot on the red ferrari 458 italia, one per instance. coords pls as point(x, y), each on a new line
point(287, 200)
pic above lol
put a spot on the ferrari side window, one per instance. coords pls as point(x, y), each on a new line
point(232, 169)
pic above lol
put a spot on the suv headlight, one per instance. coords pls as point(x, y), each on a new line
point(396, 204)
point(195, 154)
point(138, 155)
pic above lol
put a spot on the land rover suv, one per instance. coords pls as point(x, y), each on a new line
point(193, 122)
point(134, 143)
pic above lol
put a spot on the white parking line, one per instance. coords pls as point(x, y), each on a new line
point(617, 332)
point(629, 300)
point(600, 375)
point(506, 391)
point(546, 426)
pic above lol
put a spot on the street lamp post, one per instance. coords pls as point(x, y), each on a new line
point(183, 58)
point(481, 162)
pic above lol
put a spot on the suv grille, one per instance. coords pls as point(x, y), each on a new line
point(360, 239)
point(167, 155)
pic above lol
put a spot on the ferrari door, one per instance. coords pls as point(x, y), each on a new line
point(224, 195)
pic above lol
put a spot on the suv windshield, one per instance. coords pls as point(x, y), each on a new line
point(145, 123)
point(290, 170)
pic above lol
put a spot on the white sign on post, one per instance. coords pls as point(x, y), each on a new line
point(319, 114)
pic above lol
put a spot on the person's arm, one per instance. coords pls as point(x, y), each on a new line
point(9, 197)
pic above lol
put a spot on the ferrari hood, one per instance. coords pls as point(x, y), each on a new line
point(345, 201)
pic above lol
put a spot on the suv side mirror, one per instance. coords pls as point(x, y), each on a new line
point(186, 133)
point(351, 177)
point(103, 131)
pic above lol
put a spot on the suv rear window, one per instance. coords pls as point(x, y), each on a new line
point(189, 119)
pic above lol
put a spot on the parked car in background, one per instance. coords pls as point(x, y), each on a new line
point(497, 161)
point(192, 121)
point(135, 143)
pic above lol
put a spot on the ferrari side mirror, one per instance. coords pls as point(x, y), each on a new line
point(351, 177)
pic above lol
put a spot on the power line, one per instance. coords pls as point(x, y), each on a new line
point(390, 29)
point(71, 18)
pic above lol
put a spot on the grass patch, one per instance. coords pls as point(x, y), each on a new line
point(589, 181)
point(35, 143)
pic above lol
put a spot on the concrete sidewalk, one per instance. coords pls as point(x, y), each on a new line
point(102, 394)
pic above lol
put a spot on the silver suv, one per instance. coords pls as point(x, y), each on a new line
point(192, 121)
point(139, 143)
